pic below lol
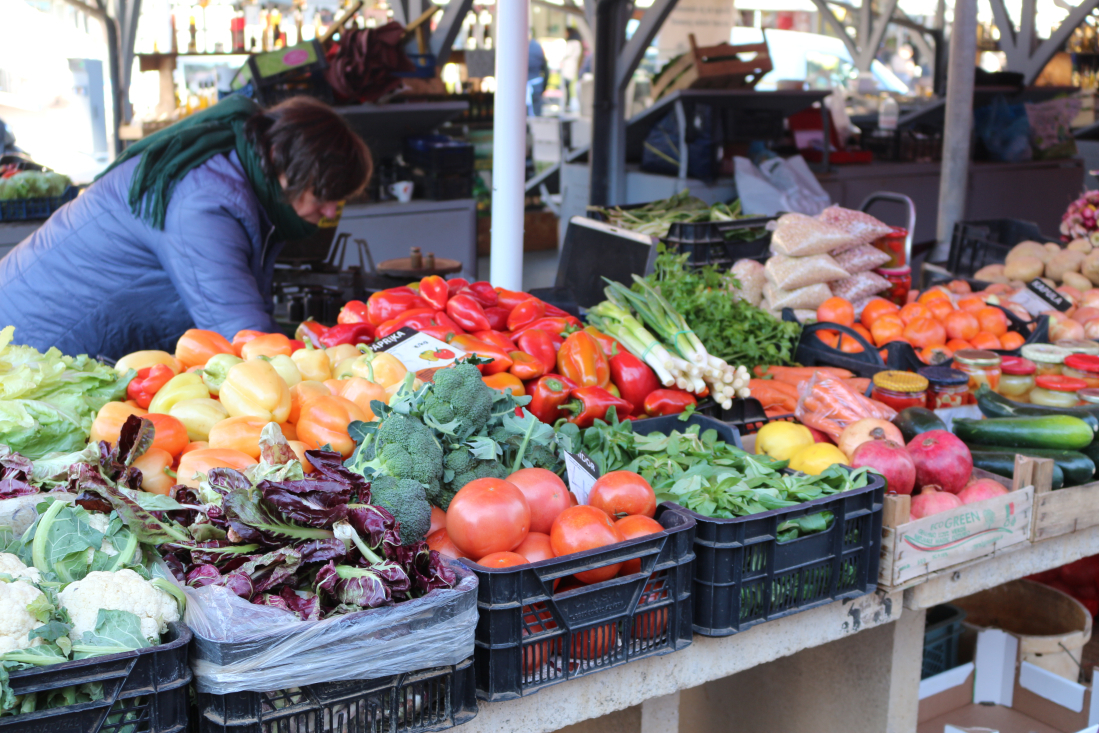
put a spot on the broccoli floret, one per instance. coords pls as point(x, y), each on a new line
point(406, 500)
point(459, 394)
point(404, 447)
point(466, 468)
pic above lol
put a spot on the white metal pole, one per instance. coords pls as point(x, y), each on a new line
point(958, 125)
point(509, 143)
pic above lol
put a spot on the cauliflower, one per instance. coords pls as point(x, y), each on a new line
point(100, 523)
point(11, 565)
point(123, 590)
point(16, 622)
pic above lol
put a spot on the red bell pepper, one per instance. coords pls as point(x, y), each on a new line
point(353, 311)
point(668, 402)
point(496, 338)
point(547, 395)
point(435, 291)
point(540, 345)
point(528, 311)
point(588, 404)
point(418, 318)
point(525, 366)
point(483, 293)
point(635, 379)
point(562, 325)
point(348, 333)
point(501, 362)
point(456, 285)
point(442, 333)
point(508, 299)
point(147, 383)
point(609, 346)
point(312, 331)
point(296, 344)
point(553, 311)
point(467, 312)
point(581, 360)
point(497, 317)
point(389, 304)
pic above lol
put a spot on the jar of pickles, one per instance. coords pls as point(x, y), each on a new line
point(1082, 366)
point(946, 387)
point(1089, 396)
point(982, 367)
point(1057, 391)
point(900, 390)
point(1080, 346)
point(1017, 379)
point(1048, 359)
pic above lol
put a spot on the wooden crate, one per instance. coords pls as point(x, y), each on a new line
point(913, 552)
point(1056, 512)
point(715, 67)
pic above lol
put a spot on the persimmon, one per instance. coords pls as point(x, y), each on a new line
point(875, 309)
point(837, 310)
point(961, 325)
point(932, 294)
point(986, 340)
point(886, 328)
point(1011, 341)
point(992, 321)
point(971, 304)
point(829, 338)
point(940, 308)
point(958, 344)
point(936, 355)
point(913, 312)
point(863, 331)
point(924, 332)
point(848, 344)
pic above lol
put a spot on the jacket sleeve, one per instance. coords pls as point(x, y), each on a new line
point(207, 253)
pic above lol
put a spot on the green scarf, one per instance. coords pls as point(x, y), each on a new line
point(170, 154)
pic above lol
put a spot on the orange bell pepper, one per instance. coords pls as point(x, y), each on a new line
point(299, 449)
point(202, 460)
point(524, 366)
point(108, 422)
point(362, 392)
point(238, 433)
point(153, 464)
point(241, 338)
point(195, 347)
point(504, 382)
point(269, 344)
point(170, 434)
point(581, 359)
point(324, 420)
point(501, 362)
point(304, 391)
point(195, 445)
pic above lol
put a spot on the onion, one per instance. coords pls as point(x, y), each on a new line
point(1091, 329)
point(1085, 314)
point(1065, 329)
point(932, 500)
point(1091, 298)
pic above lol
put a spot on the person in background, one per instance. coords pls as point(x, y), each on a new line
point(537, 75)
point(570, 64)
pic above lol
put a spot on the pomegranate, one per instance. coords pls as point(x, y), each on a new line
point(981, 489)
point(932, 500)
point(891, 460)
point(868, 428)
point(941, 459)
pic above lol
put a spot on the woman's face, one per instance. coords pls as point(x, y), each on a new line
point(309, 207)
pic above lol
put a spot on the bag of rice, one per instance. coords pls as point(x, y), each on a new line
point(860, 286)
point(798, 235)
point(791, 273)
point(810, 296)
point(863, 258)
point(752, 278)
point(862, 227)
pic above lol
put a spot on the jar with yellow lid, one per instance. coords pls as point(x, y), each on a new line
point(900, 390)
point(1089, 396)
point(1082, 366)
point(982, 367)
point(1057, 391)
point(1080, 346)
point(1017, 379)
point(1048, 359)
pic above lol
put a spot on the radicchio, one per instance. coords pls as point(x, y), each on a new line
point(15, 472)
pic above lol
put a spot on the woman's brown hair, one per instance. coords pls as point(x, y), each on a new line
point(305, 140)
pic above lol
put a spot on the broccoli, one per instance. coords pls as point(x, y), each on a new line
point(459, 394)
point(403, 447)
point(466, 468)
point(538, 455)
point(406, 500)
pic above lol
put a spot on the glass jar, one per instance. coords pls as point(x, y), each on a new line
point(900, 390)
point(946, 387)
point(1047, 358)
point(1080, 346)
point(1089, 396)
point(982, 367)
point(1082, 366)
point(1018, 378)
point(1057, 391)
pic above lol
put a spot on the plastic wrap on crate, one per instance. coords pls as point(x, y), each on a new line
point(241, 646)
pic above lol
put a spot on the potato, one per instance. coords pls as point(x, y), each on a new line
point(1090, 268)
point(1048, 282)
point(1028, 249)
point(1080, 245)
point(1076, 280)
point(1052, 247)
point(1062, 262)
point(1024, 268)
point(991, 274)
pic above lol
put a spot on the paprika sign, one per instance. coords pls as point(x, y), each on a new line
point(582, 473)
point(417, 351)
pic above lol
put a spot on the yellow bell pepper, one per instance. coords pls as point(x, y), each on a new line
point(384, 369)
point(216, 369)
point(286, 368)
point(181, 387)
point(199, 416)
point(343, 370)
point(313, 364)
point(138, 360)
point(336, 354)
point(255, 388)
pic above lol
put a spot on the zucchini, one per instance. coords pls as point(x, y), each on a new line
point(992, 404)
point(1003, 464)
point(1057, 432)
point(1078, 468)
point(913, 421)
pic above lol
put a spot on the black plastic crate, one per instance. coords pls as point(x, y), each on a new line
point(39, 208)
point(144, 691)
point(903, 145)
point(530, 636)
point(443, 188)
point(439, 154)
point(667, 423)
point(429, 700)
point(747, 416)
point(975, 244)
point(941, 633)
point(744, 576)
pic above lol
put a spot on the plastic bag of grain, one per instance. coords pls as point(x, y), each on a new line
point(752, 278)
point(863, 228)
point(791, 273)
point(861, 259)
point(810, 296)
point(798, 235)
point(860, 286)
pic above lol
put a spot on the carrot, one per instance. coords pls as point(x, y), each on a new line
point(797, 375)
point(858, 384)
point(769, 394)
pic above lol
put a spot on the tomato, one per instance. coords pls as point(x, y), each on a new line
point(536, 547)
point(545, 492)
point(503, 560)
point(438, 520)
point(152, 464)
point(581, 528)
point(631, 527)
point(170, 434)
point(593, 643)
point(650, 625)
point(536, 619)
point(440, 541)
point(572, 499)
point(622, 493)
point(488, 515)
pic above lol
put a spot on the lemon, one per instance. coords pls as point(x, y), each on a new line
point(815, 458)
point(782, 439)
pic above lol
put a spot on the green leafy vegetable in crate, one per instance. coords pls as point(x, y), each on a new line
point(33, 185)
point(657, 217)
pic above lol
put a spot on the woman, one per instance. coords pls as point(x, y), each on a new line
point(182, 230)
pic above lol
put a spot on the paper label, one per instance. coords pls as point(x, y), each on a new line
point(582, 473)
point(417, 351)
point(1038, 296)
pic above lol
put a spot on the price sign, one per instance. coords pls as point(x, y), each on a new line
point(418, 351)
point(1038, 296)
point(582, 473)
